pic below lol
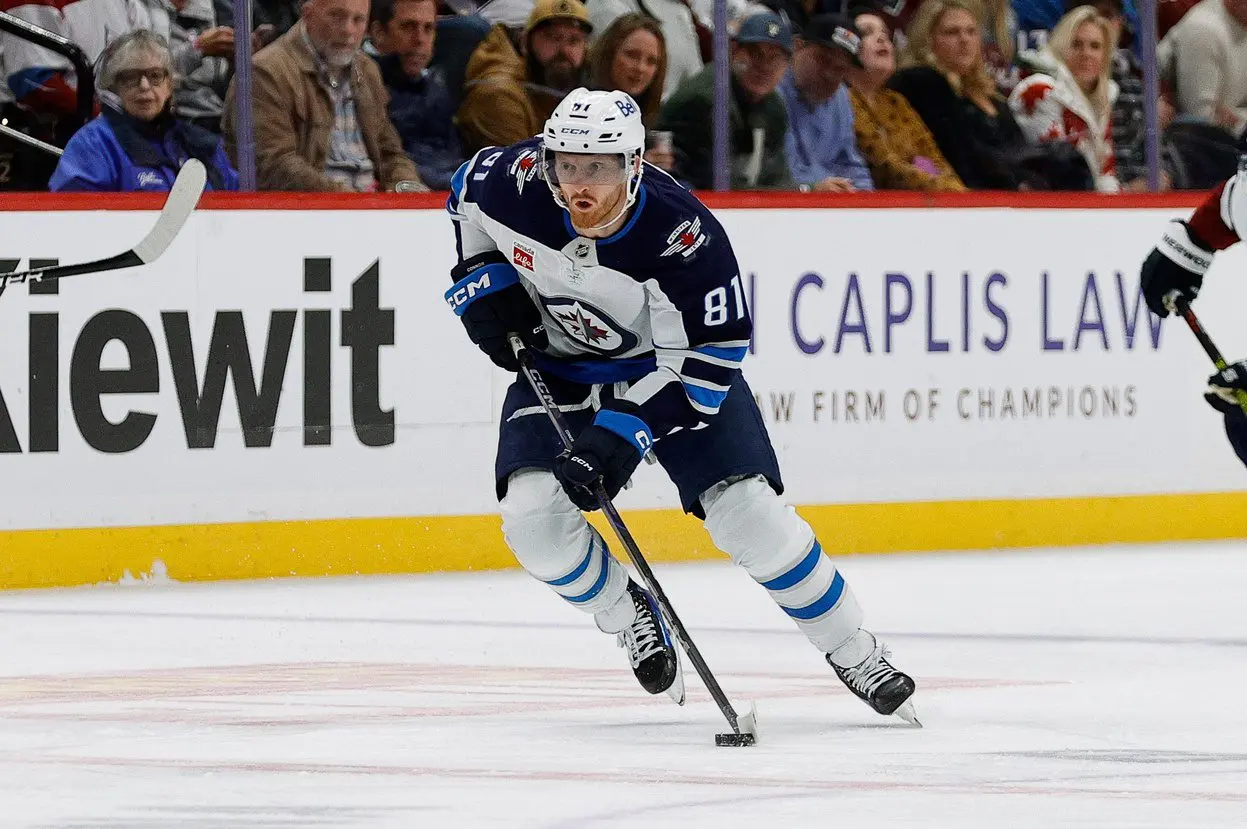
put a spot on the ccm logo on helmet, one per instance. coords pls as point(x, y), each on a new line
point(573, 131)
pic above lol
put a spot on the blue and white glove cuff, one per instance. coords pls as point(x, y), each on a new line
point(482, 281)
point(629, 427)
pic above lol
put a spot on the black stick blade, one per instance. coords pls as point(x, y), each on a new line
point(734, 739)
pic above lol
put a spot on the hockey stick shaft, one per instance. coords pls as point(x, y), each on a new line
point(1183, 309)
point(530, 372)
point(183, 196)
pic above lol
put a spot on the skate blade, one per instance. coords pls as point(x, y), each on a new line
point(906, 713)
point(676, 689)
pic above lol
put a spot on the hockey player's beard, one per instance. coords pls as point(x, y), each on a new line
point(595, 211)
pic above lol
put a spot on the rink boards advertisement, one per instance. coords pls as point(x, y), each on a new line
point(286, 393)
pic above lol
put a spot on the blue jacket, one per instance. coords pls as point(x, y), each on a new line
point(114, 153)
point(821, 142)
point(1043, 15)
point(423, 113)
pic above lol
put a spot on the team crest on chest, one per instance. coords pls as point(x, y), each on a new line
point(590, 326)
point(685, 239)
point(524, 169)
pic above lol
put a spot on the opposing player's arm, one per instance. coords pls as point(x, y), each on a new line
point(1178, 263)
point(1221, 220)
point(700, 325)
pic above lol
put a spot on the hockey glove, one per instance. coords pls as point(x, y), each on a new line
point(1178, 263)
point(608, 450)
point(1225, 386)
point(491, 303)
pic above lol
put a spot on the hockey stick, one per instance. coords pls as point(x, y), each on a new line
point(744, 726)
point(183, 197)
point(1183, 308)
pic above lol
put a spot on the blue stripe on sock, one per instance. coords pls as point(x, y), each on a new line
point(597, 585)
point(579, 571)
point(800, 571)
point(821, 606)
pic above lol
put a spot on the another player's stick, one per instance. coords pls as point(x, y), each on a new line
point(183, 197)
point(744, 726)
point(1183, 309)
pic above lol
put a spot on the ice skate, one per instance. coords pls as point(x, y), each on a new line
point(876, 682)
point(650, 650)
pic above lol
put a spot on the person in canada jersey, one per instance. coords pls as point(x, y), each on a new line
point(1176, 268)
point(626, 290)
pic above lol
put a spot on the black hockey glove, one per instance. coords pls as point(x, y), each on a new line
point(491, 303)
point(608, 450)
point(1225, 386)
point(1178, 263)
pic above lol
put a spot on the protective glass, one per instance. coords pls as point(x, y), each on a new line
point(582, 169)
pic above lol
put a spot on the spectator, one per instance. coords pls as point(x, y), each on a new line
point(820, 145)
point(319, 108)
point(947, 83)
point(676, 25)
point(510, 91)
point(631, 56)
point(757, 122)
point(136, 143)
point(202, 54)
point(898, 147)
point(270, 19)
point(1071, 99)
point(420, 104)
point(1205, 55)
point(1000, 29)
point(1043, 15)
point(43, 81)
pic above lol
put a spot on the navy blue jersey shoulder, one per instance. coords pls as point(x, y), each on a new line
point(506, 184)
point(670, 234)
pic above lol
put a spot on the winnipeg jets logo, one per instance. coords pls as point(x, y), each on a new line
point(524, 169)
point(589, 327)
point(685, 239)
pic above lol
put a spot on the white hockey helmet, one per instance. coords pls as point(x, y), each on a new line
point(595, 122)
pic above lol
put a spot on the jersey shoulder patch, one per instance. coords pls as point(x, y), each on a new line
point(675, 228)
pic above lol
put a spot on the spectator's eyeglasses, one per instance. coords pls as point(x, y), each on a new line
point(131, 78)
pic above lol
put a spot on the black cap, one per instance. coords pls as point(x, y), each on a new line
point(835, 32)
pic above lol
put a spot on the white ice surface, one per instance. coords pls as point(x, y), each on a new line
point(1063, 688)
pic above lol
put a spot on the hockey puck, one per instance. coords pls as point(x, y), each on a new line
point(733, 739)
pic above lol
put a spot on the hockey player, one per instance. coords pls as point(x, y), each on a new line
point(627, 291)
point(1177, 266)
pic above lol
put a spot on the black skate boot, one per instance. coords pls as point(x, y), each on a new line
point(650, 649)
point(880, 685)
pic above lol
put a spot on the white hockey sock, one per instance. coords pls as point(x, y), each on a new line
point(554, 543)
point(748, 521)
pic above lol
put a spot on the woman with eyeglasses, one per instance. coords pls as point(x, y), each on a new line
point(137, 143)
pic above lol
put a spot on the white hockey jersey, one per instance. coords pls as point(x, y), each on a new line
point(659, 304)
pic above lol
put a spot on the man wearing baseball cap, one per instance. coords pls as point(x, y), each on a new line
point(821, 145)
point(761, 49)
point(513, 84)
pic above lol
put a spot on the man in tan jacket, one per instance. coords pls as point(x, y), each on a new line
point(509, 92)
point(320, 108)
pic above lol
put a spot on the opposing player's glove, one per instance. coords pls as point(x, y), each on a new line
point(1177, 263)
point(1225, 386)
point(491, 303)
point(608, 450)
